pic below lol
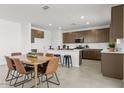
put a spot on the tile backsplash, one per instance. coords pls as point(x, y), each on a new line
point(91, 45)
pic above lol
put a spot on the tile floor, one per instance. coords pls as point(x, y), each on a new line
point(88, 75)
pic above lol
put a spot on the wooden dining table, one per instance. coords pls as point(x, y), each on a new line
point(34, 61)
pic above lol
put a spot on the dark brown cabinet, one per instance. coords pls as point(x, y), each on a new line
point(80, 57)
point(112, 65)
point(94, 54)
point(89, 36)
point(102, 35)
point(117, 21)
point(67, 37)
point(36, 34)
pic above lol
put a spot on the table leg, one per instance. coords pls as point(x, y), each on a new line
point(35, 76)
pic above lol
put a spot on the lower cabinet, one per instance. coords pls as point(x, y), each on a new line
point(93, 54)
point(112, 65)
point(80, 57)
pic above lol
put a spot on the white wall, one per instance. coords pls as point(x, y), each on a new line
point(44, 43)
point(14, 37)
point(25, 37)
point(10, 39)
point(57, 38)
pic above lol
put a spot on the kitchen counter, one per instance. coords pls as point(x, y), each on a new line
point(112, 64)
point(116, 52)
point(75, 55)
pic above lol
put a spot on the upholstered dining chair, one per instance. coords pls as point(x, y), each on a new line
point(11, 69)
point(23, 71)
point(51, 69)
point(16, 53)
point(19, 54)
point(43, 66)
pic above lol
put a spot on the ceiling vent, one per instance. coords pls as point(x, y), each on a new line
point(45, 7)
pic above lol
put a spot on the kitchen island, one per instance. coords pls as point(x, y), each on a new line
point(112, 64)
point(76, 55)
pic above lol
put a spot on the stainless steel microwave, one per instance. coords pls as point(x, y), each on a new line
point(79, 40)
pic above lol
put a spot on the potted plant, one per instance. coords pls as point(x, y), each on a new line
point(111, 46)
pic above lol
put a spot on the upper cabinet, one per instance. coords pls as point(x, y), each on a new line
point(36, 34)
point(117, 19)
point(89, 36)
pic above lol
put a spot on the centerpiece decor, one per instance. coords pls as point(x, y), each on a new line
point(32, 54)
point(111, 46)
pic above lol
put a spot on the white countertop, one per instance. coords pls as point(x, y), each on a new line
point(117, 52)
point(74, 50)
point(77, 50)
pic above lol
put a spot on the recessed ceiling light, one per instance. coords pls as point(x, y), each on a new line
point(60, 27)
point(50, 24)
point(87, 23)
point(82, 17)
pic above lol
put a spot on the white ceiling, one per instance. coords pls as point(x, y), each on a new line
point(59, 15)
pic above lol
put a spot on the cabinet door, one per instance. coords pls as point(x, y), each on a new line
point(91, 36)
point(80, 57)
point(94, 54)
point(102, 35)
point(97, 54)
point(85, 36)
point(80, 35)
point(65, 38)
point(116, 23)
point(86, 54)
point(72, 37)
point(68, 37)
point(36, 34)
point(112, 65)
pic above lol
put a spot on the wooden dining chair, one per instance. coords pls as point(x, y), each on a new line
point(43, 66)
point(16, 53)
point(51, 69)
point(22, 71)
point(11, 69)
point(19, 54)
point(48, 55)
